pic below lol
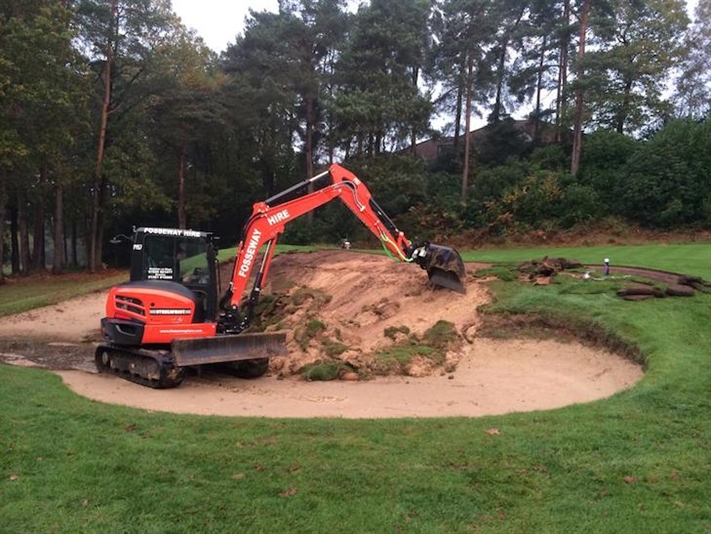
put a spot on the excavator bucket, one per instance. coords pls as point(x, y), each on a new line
point(198, 351)
point(445, 267)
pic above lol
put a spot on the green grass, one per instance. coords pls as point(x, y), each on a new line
point(21, 295)
point(636, 462)
point(692, 258)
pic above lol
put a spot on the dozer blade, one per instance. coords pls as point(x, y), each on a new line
point(445, 267)
point(198, 351)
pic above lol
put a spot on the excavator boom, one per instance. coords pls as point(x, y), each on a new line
point(443, 264)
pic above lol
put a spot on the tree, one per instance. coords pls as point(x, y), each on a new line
point(44, 101)
point(284, 64)
point(510, 15)
point(637, 47)
point(378, 102)
point(579, 91)
point(693, 98)
point(467, 32)
point(185, 110)
point(541, 63)
point(120, 37)
point(261, 96)
point(668, 182)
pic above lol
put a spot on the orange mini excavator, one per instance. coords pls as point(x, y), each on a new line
point(168, 317)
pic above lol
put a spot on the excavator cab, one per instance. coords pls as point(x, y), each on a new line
point(185, 257)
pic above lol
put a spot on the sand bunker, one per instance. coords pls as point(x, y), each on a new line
point(366, 295)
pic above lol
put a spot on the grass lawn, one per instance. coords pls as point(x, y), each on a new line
point(692, 258)
point(636, 462)
point(22, 294)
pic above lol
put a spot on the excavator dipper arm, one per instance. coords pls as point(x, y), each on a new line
point(269, 218)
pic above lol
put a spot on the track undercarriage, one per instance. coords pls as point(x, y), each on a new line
point(157, 368)
point(152, 368)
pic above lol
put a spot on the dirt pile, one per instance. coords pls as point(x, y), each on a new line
point(365, 314)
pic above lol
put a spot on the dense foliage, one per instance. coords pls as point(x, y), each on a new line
point(113, 114)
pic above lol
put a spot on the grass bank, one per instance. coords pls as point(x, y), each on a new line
point(637, 462)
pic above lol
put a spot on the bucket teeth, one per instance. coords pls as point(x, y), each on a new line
point(448, 279)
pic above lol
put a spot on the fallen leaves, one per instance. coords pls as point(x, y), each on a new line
point(289, 493)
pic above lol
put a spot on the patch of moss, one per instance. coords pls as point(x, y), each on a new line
point(321, 371)
point(268, 311)
point(305, 334)
point(333, 349)
point(441, 335)
point(433, 345)
point(314, 326)
point(392, 331)
point(395, 358)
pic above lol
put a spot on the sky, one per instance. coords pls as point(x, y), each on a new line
point(219, 21)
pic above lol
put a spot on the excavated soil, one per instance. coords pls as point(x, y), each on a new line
point(351, 300)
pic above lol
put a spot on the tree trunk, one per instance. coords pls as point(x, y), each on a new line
point(413, 133)
point(25, 258)
point(622, 115)
point(58, 262)
point(501, 69)
point(14, 242)
point(561, 98)
point(75, 245)
point(467, 128)
point(3, 209)
point(496, 113)
point(458, 117)
point(38, 255)
point(539, 90)
point(579, 93)
point(309, 148)
point(95, 237)
point(182, 216)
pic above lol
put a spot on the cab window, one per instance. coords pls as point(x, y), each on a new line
point(175, 259)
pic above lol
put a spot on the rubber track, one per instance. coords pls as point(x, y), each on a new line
point(129, 363)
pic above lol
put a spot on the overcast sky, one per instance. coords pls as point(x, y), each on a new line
point(219, 21)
